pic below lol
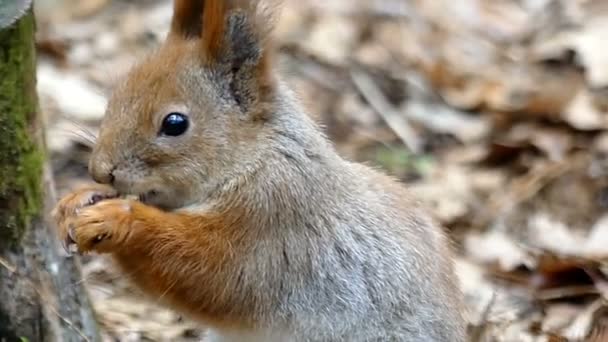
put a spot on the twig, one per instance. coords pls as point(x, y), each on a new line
point(526, 187)
point(12, 269)
point(397, 122)
point(67, 322)
point(566, 292)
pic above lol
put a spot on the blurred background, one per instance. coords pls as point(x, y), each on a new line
point(493, 111)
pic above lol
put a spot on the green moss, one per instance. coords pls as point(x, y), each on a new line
point(21, 156)
point(399, 162)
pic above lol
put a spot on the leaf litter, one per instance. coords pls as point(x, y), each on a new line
point(493, 112)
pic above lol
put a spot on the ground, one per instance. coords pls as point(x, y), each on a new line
point(494, 113)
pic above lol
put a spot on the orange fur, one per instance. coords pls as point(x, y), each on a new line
point(187, 15)
point(201, 19)
point(214, 20)
point(145, 242)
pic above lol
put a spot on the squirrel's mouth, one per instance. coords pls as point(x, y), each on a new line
point(157, 199)
point(148, 197)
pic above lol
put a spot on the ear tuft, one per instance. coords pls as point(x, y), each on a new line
point(214, 22)
point(201, 19)
point(187, 19)
point(206, 20)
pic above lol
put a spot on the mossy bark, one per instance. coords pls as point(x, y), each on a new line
point(41, 293)
point(20, 154)
point(20, 168)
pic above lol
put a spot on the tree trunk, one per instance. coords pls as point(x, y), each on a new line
point(41, 292)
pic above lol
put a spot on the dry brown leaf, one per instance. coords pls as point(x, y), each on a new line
point(582, 114)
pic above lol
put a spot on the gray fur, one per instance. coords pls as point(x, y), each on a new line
point(351, 258)
point(337, 252)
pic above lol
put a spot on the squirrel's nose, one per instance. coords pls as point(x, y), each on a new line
point(101, 170)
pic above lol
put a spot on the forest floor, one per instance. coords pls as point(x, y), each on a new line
point(493, 112)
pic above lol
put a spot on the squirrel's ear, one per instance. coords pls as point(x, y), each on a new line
point(247, 51)
point(200, 19)
point(232, 34)
point(240, 45)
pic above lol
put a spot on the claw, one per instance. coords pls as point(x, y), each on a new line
point(72, 249)
point(95, 199)
point(69, 244)
point(100, 238)
point(66, 247)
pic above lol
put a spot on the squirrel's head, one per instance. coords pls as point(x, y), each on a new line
point(193, 111)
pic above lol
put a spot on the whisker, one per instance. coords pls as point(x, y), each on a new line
point(78, 133)
point(80, 126)
point(82, 138)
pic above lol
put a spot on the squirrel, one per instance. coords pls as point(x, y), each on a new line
point(242, 215)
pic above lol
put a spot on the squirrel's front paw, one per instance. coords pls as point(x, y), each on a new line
point(85, 196)
point(70, 205)
point(102, 227)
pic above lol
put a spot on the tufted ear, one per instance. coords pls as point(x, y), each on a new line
point(233, 37)
point(247, 51)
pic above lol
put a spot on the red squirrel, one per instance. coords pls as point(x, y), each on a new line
point(245, 217)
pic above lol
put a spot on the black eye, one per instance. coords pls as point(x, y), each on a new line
point(174, 124)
